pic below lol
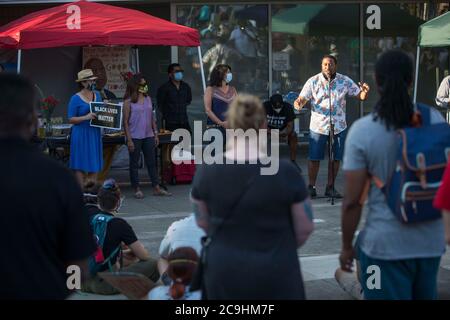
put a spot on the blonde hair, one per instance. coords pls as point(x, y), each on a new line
point(246, 112)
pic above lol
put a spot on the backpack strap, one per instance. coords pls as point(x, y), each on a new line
point(365, 194)
point(107, 217)
point(117, 250)
point(421, 116)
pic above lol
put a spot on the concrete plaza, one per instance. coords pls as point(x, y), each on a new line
point(151, 216)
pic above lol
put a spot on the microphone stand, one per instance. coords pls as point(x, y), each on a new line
point(331, 141)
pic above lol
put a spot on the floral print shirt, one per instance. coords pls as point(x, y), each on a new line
point(316, 90)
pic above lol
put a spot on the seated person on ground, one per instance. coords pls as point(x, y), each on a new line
point(281, 116)
point(117, 245)
point(181, 233)
point(182, 266)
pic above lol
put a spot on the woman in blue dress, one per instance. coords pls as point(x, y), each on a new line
point(86, 149)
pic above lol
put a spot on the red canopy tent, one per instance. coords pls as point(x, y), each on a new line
point(99, 24)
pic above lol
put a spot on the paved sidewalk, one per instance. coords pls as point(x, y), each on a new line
point(152, 216)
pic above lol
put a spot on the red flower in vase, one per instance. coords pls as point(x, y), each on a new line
point(126, 76)
point(48, 105)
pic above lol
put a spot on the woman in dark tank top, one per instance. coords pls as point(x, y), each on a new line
point(218, 96)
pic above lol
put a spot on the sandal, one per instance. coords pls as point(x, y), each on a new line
point(139, 195)
point(161, 192)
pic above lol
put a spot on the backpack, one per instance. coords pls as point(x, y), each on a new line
point(97, 261)
point(422, 155)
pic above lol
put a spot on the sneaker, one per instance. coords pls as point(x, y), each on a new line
point(161, 192)
point(312, 191)
point(139, 195)
point(329, 192)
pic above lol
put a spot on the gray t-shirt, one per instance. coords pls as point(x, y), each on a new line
point(370, 145)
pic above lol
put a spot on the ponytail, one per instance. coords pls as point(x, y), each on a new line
point(177, 289)
point(182, 264)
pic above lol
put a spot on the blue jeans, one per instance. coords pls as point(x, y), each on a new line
point(147, 146)
point(318, 142)
point(409, 279)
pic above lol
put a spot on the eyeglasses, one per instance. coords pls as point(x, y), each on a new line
point(109, 184)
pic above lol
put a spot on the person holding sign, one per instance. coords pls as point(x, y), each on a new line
point(142, 133)
point(86, 151)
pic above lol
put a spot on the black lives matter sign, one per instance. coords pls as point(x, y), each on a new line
point(109, 115)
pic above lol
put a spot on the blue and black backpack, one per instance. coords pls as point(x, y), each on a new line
point(97, 261)
point(422, 155)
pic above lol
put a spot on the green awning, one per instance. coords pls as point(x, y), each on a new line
point(296, 20)
point(436, 32)
point(343, 20)
point(318, 20)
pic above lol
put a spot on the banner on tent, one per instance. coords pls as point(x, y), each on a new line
point(109, 115)
point(107, 63)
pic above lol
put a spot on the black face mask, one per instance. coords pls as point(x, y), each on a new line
point(91, 86)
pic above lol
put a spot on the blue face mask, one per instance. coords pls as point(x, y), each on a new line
point(229, 77)
point(178, 76)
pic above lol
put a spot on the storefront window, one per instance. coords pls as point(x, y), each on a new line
point(301, 34)
point(433, 68)
point(236, 35)
point(399, 30)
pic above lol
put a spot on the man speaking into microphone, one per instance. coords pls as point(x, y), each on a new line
point(318, 89)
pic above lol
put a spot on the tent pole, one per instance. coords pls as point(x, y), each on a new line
point(270, 55)
point(201, 68)
point(137, 60)
point(19, 60)
point(361, 53)
point(417, 74)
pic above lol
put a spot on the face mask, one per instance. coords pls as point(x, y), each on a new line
point(277, 110)
point(143, 89)
point(91, 86)
point(178, 76)
point(122, 198)
point(229, 77)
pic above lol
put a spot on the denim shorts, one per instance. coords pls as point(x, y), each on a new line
point(410, 279)
point(318, 142)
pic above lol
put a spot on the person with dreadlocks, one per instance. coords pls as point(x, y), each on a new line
point(407, 255)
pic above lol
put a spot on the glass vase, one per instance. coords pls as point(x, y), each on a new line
point(48, 128)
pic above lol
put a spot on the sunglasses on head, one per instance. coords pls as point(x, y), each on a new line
point(109, 184)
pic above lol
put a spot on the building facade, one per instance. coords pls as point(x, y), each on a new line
point(271, 46)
